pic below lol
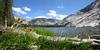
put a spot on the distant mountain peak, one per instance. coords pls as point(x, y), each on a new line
point(44, 21)
point(93, 5)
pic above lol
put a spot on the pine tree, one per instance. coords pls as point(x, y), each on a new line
point(8, 17)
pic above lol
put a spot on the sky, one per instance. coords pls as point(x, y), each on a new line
point(56, 9)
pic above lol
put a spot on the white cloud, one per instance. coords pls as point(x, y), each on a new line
point(52, 13)
point(19, 10)
point(27, 9)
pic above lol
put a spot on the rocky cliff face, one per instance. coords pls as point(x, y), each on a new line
point(88, 16)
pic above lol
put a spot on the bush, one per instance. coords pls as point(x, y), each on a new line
point(64, 45)
point(81, 46)
point(15, 41)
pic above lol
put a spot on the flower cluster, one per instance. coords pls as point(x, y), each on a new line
point(20, 21)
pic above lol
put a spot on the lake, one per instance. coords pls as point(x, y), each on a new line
point(66, 31)
point(61, 31)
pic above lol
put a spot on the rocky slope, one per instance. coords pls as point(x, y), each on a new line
point(88, 16)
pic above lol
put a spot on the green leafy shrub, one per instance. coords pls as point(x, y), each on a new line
point(82, 46)
point(85, 46)
point(15, 41)
point(61, 45)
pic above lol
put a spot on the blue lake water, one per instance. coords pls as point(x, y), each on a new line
point(66, 31)
point(62, 31)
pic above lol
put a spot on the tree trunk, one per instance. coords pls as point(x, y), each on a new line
point(8, 13)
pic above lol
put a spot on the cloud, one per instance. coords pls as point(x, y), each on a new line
point(19, 11)
point(52, 13)
point(27, 9)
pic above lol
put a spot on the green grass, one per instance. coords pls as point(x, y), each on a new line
point(16, 41)
point(44, 32)
point(64, 45)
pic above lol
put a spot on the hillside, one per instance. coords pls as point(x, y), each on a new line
point(88, 16)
